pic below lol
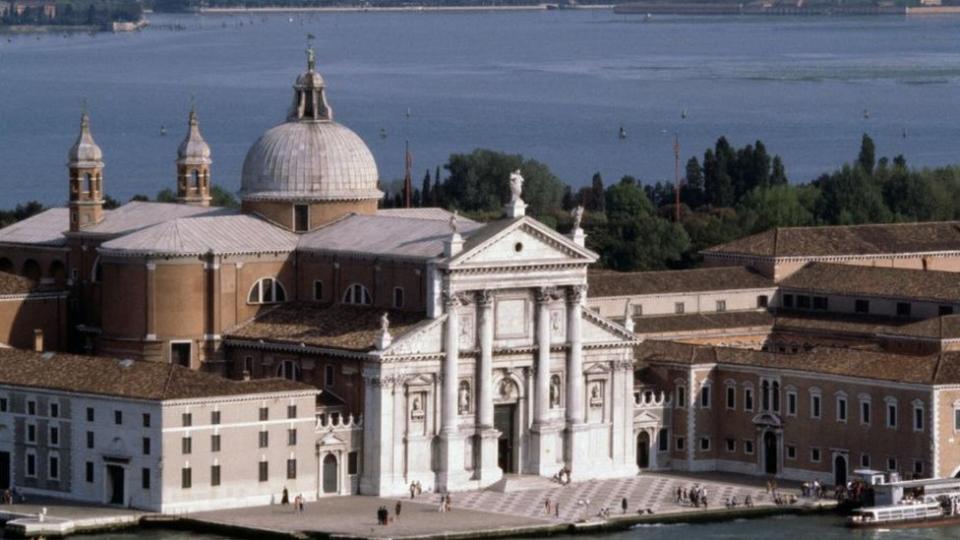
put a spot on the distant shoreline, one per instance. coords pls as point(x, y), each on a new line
point(335, 9)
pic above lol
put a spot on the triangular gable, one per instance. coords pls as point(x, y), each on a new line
point(425, 338)
point(597, 330)
point(499, 242)
point(644, 417)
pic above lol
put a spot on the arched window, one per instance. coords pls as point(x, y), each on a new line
point(357, 294)
point(6, 265)
point(288, 369)
point(31, 270)
point(196, 179)
point(88, 182)
point(267, 291)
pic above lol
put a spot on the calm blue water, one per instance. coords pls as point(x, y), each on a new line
point(554, 85)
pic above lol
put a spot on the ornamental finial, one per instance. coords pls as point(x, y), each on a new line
point(311, 59)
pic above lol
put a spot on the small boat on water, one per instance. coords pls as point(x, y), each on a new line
point(899, 503)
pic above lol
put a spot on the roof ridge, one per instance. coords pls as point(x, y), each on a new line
point(166, 383)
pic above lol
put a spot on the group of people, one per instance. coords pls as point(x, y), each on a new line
point(696, 495)
point(415, 489)
point(732, 502)
point(562, 476)
point(383, 514)
point(445, 503)
point(297, 501)
point(551, 508)
point(813, 489)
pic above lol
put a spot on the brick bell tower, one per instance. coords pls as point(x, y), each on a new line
point(85, 163)
point(193, 166)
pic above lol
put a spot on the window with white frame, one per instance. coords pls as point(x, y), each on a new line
point(31, 407)
point(704, 444)
point(892, 411)
point(721, 306)
point(31, 464)
point(918, 415)
point(705, 397)
point(748, 398)
point(791, 403)
point(731, 396)
point(53, 466)
point(791, 451)
point(731, 445)
point(892, 464)
point(865, 461)
point(865, 410)
point(53, 435)
point(680, 443)
point(956, 418)
point(398, 299)
point(747, 446)
point(31, 432)
point(54, 409)
point(681, 392)
point(815, 403)
point(288, 369)
point(815, 455)
point(357, 294)
point(663, 440)
point(918, 467)
point(841, 407)
point(267, 291)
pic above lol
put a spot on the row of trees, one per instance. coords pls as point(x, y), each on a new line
point(79, 13)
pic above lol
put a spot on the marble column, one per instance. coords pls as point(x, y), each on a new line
point(452, 473)
point(543, 435)
point(577, 435)
point(489, 470)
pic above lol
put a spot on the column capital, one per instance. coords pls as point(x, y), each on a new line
point(485, 298)
point(576, 293)
point(457, 299)
point(547, 294)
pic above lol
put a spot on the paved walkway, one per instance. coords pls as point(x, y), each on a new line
point(488, 510)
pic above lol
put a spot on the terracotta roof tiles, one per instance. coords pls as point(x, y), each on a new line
point(854, 280)
point(603, 283)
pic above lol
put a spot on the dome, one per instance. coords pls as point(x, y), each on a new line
point(309, 161)
point(310, 157)
point(85, 151)
point(193, 150)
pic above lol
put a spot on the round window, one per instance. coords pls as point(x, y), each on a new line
point(518, 247)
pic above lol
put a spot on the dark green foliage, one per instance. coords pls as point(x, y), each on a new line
point(867, 157)
point(21, 212)
point(109, 203)
point(222, 197)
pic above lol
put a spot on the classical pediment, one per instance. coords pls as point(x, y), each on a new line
point(329, 439)
point(646, 418)
point(597, 330)
point(768, 419)
point(425, 338)
point(518, 241)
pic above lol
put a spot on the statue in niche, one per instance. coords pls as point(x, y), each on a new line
point(506, 389)
point(555, 391)
point(463, 398)
point(595, 399)
point(416, 408)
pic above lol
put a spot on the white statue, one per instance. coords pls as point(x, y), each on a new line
point(516, 186)
point(454, 226)
point(577, 214)
point(464, 401)
point(385, 323)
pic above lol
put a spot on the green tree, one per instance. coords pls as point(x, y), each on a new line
point(775, 206)
point(222, 197)
point(867, 157)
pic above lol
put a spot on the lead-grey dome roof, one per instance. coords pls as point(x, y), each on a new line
point(309, 157)
point(85, 152)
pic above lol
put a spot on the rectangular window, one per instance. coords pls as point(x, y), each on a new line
point(945, 310)
point(180, 354)
point(145, 419)
point(663, 440)
point(264, 439)
point(186, 478)
point(892, 464)
point(31, 433)
point(53, 467)
point(681, 396)
point(679, 308)
point(721, 306)
point(318, 290)
point(892, 415)
point(352, 463)
point(214, 475)
point(145, 478)
point(4, 404)
point(54, 409)
point(865, 461)
point(88, 468)
point(956, 419)
point(398, 297)
point(264, 414)
point(791, 452)
point(301, 218)
point(54, 436)
point(762, 301)
point(90, 414)
point(731, 445)
point(748, 446)
point(748, 399)
point(291, 411)
point(31, 465)
point(291, 469)
point(705, 397)
point(917, 467)
point(680, 443)
point(90, 439)
point(814, 406)
point(815, 455)
point(215, 442)
point(248, 365)
point(32, 407)
point(841, 409)
point(820, 302)
point(731, 397)
point(118, 417)
point(328, 374)
point(637, 310)
point(705, 444)
point(186, 445)
point(146, 446)
point(215, 417)
point(788, 300)
point(291, 437)
point(803, 301)
point(903, 309)
point(861, 306)
point(791, 403)
point(187, 419)
point(263, 472)
point(918, 418)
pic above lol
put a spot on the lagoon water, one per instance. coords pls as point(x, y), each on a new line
point(552, 85)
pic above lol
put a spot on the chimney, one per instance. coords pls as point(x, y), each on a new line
point(38, 339)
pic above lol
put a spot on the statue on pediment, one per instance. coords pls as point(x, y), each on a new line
point(516, 186)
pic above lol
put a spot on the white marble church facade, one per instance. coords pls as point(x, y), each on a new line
point(513, 375)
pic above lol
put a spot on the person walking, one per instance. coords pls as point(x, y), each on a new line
point(285, 498)
point(623, 505)
point(397, 508)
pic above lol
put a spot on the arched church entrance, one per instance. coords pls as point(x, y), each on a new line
point(330, 474)
point(770, 453)
point(643, 450)
point(840, 470)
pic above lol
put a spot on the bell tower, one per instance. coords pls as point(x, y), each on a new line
point(193, 166)
point(85, 163)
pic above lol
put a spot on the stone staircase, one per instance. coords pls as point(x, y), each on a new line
point(522, 482)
